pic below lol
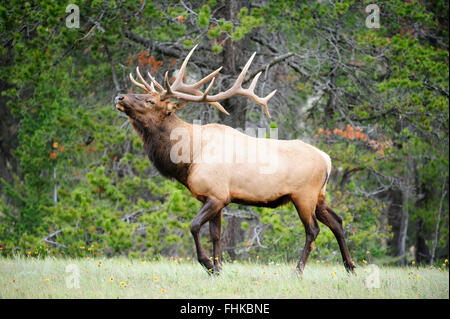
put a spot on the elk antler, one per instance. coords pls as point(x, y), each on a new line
point(178, 85)
point(192, 93)
point(191, 89)
point(145, 86)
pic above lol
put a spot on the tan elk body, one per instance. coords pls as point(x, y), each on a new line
point(221, 165)
point(256, 170)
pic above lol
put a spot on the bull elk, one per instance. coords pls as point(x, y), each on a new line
point(301, 174)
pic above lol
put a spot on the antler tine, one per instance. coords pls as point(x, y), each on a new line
point(255, 98)
point(168, 90)
point(148, 87)
point(241, 76)
point(252, 86)
point(158, 86)
point(205, 94)
point(137, 83)
point(219, 107)
point(206, 79)
point(178, 84)
point(179, 79)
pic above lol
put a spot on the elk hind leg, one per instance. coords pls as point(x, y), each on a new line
point(215, 224)
point(328, 217)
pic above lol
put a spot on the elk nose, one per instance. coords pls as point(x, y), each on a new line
point(119, 98)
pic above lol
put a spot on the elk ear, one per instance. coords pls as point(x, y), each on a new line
point(173, 106)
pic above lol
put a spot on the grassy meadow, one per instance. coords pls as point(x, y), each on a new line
point(184, 278)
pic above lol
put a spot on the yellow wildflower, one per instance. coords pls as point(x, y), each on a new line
point(111, 279)
point(122, 283)
point(163, 291)
point(46, 279)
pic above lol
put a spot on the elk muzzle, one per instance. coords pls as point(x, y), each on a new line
point(120, 102)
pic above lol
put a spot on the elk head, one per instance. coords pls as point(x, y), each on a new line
point(160, 102)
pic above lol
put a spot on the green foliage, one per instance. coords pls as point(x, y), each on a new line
point(204, 16)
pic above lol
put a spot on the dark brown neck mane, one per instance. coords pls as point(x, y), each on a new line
point(157, 145)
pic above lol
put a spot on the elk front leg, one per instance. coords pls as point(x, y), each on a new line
point(215, 224)
point(312, 230)
point(306, 209)
point(210, 208)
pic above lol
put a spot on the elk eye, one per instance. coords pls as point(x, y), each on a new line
point(150, 101)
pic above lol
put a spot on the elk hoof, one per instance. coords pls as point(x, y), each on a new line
point(350, 267)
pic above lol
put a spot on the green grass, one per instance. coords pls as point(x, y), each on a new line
point(46, 278)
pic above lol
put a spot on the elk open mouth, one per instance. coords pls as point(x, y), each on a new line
point(122, 107)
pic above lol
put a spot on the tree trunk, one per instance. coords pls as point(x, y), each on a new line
point(233, 61)
point(403, 227)
point(422, 250)
point(406, 188)
point(8, 128)
point(436, 231)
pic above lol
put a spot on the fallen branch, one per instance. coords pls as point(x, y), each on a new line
point(134, 215)
point(47, 239)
